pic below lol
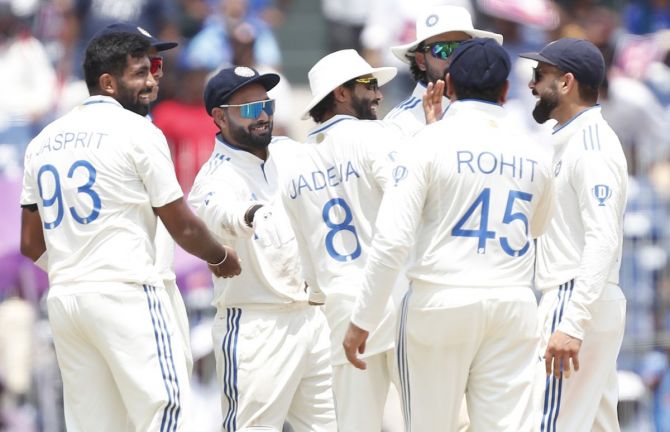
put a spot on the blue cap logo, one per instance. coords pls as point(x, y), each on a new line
point(602, 193)
point(432, 20)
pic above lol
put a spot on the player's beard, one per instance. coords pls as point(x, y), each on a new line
point(364, 108)
point(131, 100)
point(545, 105)
point(250, 136)
point(434, 74)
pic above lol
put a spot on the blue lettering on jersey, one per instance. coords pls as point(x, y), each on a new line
point(489, 163)
point(72, 140)
point(399, 174)
point(318, 180)
point(602, 193)
point(557, 168)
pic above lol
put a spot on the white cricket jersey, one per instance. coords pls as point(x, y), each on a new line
point(584, 240)
point(408, 115)
point(332, 192)
point(229, 183)
point(475, 193)
point(95, 185)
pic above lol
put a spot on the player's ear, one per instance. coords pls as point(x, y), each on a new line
point(342, 94)
point(451, 93)
point(107, 84)
point(420, 58)
point(219, 117)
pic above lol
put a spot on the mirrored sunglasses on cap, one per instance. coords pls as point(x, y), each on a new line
point(441, 50)
point(370, 83)
point(156, 64)
point(252, 110)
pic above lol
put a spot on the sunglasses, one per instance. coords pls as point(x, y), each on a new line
point(156, 65)
point(370, 83)
point(537, 75)
point(253, 110)
point(441, 50)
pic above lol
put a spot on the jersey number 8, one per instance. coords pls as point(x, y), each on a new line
point(338, 227)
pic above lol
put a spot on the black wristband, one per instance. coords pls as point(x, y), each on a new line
point(249, 214)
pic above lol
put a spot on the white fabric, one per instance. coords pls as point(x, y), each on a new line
point(273, 365)
point(226, 186)
point(493, 362)
point(360, 395)
point(337, 68)
point(164, 245)
point(584, 239)
point(110, 178)
point(409, 115)
point(180, 321)
point(474, 172)
point(331, 193)
point(43, 261)
point(119, 374)
point(442, 19)
point(587, 401)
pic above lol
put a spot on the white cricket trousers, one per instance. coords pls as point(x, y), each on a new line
point(587, 401)
point(273, 364)
point(120, 357)
point(480, 342)
point(181, 321)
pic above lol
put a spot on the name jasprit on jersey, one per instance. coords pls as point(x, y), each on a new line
point(72, 140)
point(489, 163)
point(317, 180)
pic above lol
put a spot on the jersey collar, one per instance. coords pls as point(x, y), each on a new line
point(565, 131)
point(98, 99)
point(322, 127)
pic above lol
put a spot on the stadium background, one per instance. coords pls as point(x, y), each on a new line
point(41, 43)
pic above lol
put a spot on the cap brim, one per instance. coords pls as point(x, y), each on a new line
point(537, 57)
point(164, 46)
point(383, 75)
point(401, 51)
point(268, 81)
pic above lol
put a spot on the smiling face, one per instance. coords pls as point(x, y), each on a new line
point(365, 98)
point(133, 89)
point(436, 67)
point(544, 86)
point(252, 135)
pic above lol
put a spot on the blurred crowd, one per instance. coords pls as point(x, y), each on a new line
point(41, 46)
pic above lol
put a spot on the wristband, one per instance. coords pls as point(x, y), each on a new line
point(222, 261)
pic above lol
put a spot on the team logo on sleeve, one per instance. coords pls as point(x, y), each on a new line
point(399, 174)
point(602, 193)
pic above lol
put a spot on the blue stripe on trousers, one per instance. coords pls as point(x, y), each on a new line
point(229, 348)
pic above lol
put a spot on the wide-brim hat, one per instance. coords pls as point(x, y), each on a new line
point(160, 45)
point(438, 20)
point(336, 69)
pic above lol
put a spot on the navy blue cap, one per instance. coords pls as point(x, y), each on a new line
point(480, 63)
point(229, 80)
point(137, 30)
point(577, 56)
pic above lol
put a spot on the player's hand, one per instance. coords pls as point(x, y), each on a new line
point(265, 227)
point(229, 267)
point(432, 101)
point(354, 342)
point(562, 349)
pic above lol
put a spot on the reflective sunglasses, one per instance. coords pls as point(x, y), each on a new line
point(370, 83)
point(537, 74)
point(441, 50)
point(156, 64)
point(253, 110)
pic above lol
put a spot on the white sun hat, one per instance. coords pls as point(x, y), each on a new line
point(336, 69)
point(438, 20)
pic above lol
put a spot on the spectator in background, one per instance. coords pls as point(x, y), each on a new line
point(232, 22)
point(185, 122)
point(646, 16)
point(27, 83)
point(345, 20)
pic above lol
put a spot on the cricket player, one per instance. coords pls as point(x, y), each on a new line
point(474, 195)
point(164, 244)
point(272, 349)
point(94, 181)
point(332, 192)
point(439, 30)
point(582, 310)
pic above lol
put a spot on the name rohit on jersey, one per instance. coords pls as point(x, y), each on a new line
point(72, 140)
point(318, 180)
point(489, 163)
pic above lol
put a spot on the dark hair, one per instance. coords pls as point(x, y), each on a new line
point(109, 54)
point(327, 104)
point(588, 93)
point(490, 94)
point(418, 74)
